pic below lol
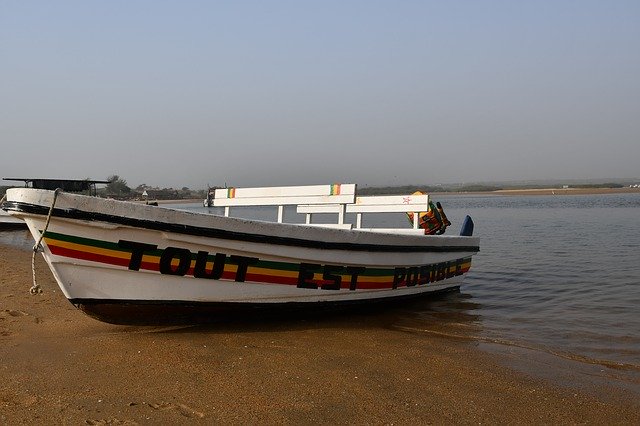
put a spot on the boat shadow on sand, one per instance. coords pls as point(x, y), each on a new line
point(447, 315)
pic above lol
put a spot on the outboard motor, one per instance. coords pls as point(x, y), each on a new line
point(467, 227)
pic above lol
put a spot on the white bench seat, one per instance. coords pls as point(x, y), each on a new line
point(374, 204)
point(337, 195)
point(403, 231)
point(329, 225)
point(318, 199)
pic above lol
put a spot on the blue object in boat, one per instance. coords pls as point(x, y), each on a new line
point(467, 227)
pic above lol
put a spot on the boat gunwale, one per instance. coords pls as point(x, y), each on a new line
point(209, 232)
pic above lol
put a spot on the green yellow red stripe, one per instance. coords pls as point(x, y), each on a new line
point(261, 271)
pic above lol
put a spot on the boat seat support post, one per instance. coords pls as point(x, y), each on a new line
point(341, 214)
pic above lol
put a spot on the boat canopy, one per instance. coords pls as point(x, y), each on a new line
point(67, 185)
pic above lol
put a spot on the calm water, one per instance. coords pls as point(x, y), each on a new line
point(559, 273)
point(556, 274)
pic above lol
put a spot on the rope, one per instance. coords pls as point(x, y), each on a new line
point(35, 288)
point(4, 197)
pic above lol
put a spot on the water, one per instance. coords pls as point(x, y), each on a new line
point(557, 275)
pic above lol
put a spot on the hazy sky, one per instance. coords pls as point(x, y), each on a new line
point(191, 93)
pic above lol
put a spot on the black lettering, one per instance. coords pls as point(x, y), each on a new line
point(243, 263)
point(412, 276)
point(441, 271)
point(398, 277)
point(433, 276)
point(329, 275)
point(170, 253)
point(450, 272)
point(425, 271)
point(354, 271)
point(137, 251)
point(200, 269)
point(459, 267)
point(306, 273)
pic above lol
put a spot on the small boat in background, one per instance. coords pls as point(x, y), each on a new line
point(9, 222)
point(86, 186)
point(130, 263)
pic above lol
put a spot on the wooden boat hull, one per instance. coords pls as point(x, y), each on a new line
point(10, 222)
point(117, 260)
point(136, 312)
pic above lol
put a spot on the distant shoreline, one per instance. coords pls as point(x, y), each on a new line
point(514, 192)
point(553, 191)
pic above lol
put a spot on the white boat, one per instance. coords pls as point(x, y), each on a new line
point(8, 221)
point(73, 185)
point(124, 262)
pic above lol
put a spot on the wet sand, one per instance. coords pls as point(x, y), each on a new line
point(59, 366)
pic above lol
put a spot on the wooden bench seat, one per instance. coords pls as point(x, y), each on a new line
point(337, 195)
point(374, 204)
point(318, 199)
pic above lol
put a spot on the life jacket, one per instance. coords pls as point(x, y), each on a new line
point(433, 221)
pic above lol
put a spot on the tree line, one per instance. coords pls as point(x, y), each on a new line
point(118, 188)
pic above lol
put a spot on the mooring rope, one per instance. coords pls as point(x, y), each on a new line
point(35, 288)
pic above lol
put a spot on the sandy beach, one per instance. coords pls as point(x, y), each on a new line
point(58, 366)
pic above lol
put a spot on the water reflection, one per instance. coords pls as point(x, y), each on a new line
point(453, 314)
point(18, 238)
